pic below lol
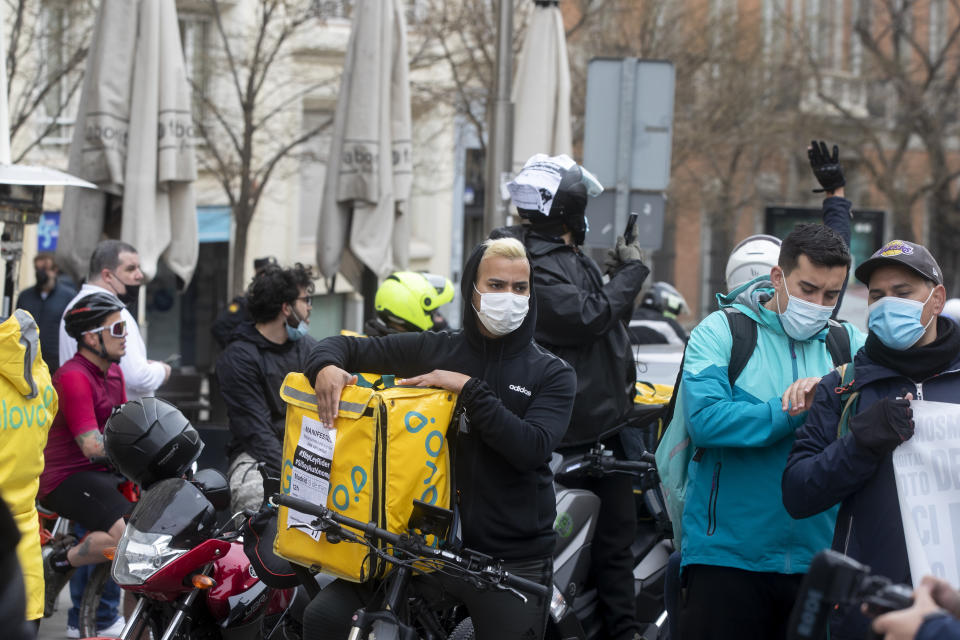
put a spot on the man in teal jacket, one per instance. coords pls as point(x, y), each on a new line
point(743, 555)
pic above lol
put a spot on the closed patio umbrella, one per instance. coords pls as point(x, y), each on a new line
point(134, 139)
point(541, 88)
point(369, 171)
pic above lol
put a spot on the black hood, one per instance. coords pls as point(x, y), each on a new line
point(511, 342)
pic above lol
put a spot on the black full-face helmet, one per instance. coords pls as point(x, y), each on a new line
point(561, 209)
point(148, 440)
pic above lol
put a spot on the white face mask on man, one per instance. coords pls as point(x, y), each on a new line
point(502, 312)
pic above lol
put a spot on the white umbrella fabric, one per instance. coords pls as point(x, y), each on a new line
point(369, 168)
point(541, 89)
point(134, 138)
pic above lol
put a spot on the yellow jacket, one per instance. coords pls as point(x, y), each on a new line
point(28, 404)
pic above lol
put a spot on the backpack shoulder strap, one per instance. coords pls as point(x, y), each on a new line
point(667, 416)
point(838, 343)
point(848, 397)
point(743, 331)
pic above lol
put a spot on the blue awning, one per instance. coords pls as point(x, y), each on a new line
point(213, 224)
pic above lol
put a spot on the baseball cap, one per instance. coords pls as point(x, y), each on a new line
point(907, 254)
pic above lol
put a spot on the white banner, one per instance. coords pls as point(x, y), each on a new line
point(927, 469)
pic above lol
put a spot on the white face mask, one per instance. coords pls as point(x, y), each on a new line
point(503, 312)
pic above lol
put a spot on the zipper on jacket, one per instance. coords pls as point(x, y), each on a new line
point(846, 541)
point(919, 391)
point(793, 356)
point(712, 502)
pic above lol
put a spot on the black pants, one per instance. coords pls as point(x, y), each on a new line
point(720, 603)
point(496, 614)
point(611, 567)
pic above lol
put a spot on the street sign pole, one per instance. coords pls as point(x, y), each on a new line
point(500, 128)
point(628, 73)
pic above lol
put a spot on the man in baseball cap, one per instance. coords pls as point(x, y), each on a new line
point(911, 353)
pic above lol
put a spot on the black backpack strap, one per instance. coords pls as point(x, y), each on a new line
point(743, 331)
point(838, 343)
point(667, 414)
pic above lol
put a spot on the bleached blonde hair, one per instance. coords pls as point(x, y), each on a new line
point(504, 248)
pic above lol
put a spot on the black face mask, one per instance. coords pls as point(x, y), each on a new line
point(131, 295)
point(43, 277)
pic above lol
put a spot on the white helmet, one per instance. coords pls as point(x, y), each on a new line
point(951, 309)
point(753, 257)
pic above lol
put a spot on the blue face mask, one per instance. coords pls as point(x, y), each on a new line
point(802, 320)
point(297, 332)
point(896, 321)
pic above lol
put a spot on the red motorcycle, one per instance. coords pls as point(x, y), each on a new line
point(193, 580)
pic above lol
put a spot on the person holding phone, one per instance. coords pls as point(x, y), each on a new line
point(583, 320)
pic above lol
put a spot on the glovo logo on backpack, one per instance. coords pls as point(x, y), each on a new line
point(390, 449)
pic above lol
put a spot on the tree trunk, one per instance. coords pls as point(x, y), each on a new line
point(721, 243)
point(239, 258)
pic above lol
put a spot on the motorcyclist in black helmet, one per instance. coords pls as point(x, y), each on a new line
point(73, 483)
point(583, 320)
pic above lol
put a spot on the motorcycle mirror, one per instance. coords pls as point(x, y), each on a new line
point(214, 486)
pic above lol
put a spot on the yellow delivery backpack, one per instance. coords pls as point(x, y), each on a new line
point(389, 447)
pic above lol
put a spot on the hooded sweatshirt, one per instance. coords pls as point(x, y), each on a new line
point(251, 372)
point(517, 405)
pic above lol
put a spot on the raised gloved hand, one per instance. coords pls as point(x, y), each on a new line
point(826, 168)
point(622, 253)
point(885, 425)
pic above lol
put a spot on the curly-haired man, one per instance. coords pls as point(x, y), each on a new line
point(252, 369)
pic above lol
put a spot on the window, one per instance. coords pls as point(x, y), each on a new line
point(195, 40)
point(58, 42)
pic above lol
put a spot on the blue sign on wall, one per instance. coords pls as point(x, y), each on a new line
point(48, 230)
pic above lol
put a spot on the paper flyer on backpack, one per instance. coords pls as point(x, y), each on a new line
point(927, 470)
point(310, 478)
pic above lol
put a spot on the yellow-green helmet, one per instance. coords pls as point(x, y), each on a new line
point(409, 298)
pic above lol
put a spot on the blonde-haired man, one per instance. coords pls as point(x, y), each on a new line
point(517, 399)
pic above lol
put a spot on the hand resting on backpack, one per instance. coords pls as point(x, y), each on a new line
point(885, 425)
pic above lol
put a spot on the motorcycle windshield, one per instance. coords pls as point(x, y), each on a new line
point(176, 508)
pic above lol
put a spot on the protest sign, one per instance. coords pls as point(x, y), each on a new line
point(927, 469)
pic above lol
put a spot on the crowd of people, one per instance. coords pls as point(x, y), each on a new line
point(781, 465)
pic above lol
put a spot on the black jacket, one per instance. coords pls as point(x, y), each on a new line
point(517, 402)
point(47, 313)
point(824, 470)
point(251, 371)
point(581, 319)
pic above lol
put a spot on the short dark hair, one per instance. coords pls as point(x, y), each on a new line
point(822, 245)
point(107, 256)
point(273, 287)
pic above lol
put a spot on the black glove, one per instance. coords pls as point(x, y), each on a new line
point(826, 168)
point(622, 253)
point(883, 426)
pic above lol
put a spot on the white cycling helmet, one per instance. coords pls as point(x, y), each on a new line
point(754, 256)
point(951, 309)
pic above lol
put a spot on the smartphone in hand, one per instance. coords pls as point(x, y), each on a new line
point(630, 233)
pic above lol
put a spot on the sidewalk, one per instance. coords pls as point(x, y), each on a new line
point(55, 627)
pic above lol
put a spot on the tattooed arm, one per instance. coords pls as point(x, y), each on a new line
point(91, 443)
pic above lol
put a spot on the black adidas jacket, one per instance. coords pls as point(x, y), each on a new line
point(518, 402)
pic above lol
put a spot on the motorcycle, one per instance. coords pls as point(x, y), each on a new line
point(573, 606)
point(192, 578)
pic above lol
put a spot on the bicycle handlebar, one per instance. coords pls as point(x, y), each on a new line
point(492, 572)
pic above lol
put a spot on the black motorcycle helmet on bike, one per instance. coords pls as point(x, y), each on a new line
point(88, 314)
point(554, 211)
point(148, 440)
